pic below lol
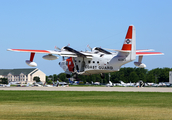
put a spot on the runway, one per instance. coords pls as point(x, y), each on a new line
point(120, 89)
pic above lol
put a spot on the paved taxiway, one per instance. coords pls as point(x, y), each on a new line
point(122, 89)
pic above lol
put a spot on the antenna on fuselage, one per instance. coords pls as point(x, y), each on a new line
point(57, 48)
point(89, 47)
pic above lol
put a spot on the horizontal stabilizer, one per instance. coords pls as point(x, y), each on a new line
point(144, 50)
point(149, 53)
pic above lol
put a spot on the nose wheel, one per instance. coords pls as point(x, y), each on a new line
point(75, 75)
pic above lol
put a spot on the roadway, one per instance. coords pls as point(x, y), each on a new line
point(120, 89)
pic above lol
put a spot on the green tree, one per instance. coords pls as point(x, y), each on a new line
point(4, 80)
point(150, 77)
point(164, 75)
point(50, 82)
point(55, 77)
point(133, 77)
point(142, 77)
point(62, 77)
point(126, 75)
point(37, 79)
point(47, 79)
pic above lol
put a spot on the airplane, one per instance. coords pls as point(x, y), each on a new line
point(110, 84)
point(96, 61)
point(9, 84)
point(126, 84)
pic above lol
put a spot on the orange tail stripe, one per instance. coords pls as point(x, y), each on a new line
point(129, 33)
point(126, 47)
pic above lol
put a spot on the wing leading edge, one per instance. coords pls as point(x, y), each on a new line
point(68, 53)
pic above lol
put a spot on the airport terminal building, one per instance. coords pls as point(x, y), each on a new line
point(22, 75)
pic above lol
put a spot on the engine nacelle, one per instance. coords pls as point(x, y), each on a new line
point(32, 64)
point(140, 65)
point(50, 57)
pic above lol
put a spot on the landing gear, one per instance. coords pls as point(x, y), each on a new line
point(67, 76)
point(75, 75)
point(102, 75)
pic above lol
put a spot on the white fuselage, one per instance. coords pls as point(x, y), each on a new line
point(99, 63)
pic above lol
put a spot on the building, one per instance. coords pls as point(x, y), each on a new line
point(22, 75)
point(170, 77)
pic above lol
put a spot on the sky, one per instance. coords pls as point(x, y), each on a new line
point(44, 24)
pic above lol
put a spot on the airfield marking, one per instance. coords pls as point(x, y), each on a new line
point(121, 89)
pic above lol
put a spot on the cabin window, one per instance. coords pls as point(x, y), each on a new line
point(93, 61)
point(97, 61)
point(101, 55)
point(89, 61)
point(107, 62)
point(79, 61)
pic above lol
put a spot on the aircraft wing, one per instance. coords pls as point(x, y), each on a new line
point(43, 51)
point(69, 53)
point(28, 50)
point(77, 53)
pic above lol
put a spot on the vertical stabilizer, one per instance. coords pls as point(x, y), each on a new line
point(130, 42)
point(128, 51)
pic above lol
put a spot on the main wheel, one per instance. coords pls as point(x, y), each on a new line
point(102, 75)
point(67, 76)
point(75, 75)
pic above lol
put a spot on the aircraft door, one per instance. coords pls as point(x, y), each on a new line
point(70, 64)
point(82, 66)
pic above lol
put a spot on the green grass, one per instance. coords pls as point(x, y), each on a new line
point(85, 105)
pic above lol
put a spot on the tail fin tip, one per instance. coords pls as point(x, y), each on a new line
point(128, 39)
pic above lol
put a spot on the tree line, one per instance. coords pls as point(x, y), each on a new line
point(126, 75)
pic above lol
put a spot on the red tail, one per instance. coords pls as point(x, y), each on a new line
point(128, 39)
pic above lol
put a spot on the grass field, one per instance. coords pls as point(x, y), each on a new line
point(69, 105)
